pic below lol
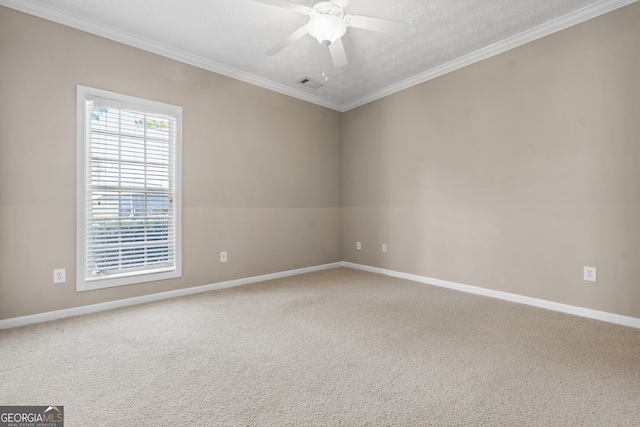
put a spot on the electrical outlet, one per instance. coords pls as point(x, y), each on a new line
point(590, 274)
point(358, 246)
point(384, 247)
point(59, 275)
point(223, 256)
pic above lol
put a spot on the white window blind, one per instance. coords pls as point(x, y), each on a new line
point(130, 201)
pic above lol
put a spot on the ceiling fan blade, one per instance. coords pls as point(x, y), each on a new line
point(290, 39)
point(342, 3)
point(377, 24)
point(286, 4)
point(338, 54)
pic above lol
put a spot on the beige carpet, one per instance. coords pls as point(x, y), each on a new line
point(335, 348)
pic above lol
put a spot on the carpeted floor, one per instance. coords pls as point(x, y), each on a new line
point(339, 347)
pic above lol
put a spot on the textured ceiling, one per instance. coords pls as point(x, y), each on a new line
point(230, 37)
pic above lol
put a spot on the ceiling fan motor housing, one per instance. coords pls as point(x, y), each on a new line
point(326, 22)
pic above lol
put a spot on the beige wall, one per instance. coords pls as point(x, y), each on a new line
point(510, 174)
point(261, 171)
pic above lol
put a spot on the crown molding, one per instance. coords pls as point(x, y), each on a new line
point(558, 24)
point(108, 32)
point(77, 22)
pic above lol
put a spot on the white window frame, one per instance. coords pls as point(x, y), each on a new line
point(124, 102)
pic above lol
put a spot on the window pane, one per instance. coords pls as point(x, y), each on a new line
point(130, 219)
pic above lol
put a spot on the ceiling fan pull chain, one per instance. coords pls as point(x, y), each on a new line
point(325, 48)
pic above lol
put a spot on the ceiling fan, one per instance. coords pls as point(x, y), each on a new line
point(328, 23)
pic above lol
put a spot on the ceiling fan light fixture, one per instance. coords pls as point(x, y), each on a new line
point(327, 28)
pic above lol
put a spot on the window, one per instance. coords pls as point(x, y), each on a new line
point(129, 201)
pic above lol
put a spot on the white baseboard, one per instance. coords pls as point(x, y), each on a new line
point(94, 308)
point(535, 302)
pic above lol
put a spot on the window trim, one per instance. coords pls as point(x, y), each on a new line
point(147, 106)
